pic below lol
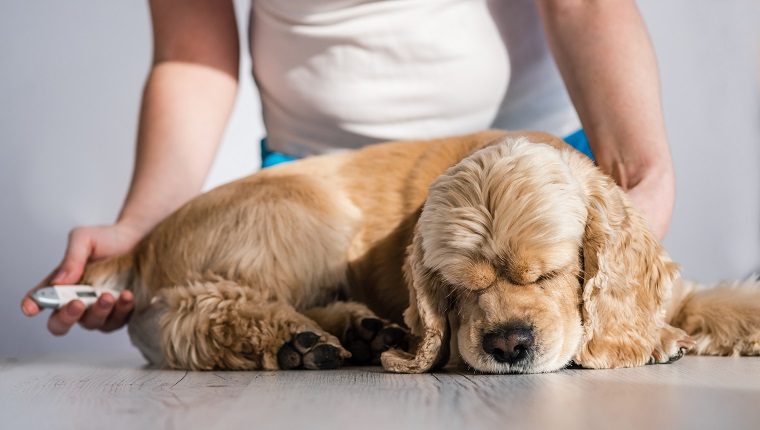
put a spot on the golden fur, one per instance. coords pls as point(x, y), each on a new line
point(455, 238)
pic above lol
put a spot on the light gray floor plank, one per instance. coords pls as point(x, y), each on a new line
point(118, 392)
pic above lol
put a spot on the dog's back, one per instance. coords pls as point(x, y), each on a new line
point(301, 233)
point(224, 282)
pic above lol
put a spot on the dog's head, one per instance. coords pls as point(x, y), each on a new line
point(531, 257)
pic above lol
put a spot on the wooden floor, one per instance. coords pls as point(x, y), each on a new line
point(117, 392)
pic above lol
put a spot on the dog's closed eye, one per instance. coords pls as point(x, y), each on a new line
point(546, 277)
point(529, 277)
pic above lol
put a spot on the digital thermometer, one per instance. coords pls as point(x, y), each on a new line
point(57, 296)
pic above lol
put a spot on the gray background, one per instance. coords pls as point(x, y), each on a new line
point(72, 74)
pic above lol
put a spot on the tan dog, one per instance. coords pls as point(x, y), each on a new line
point(514, 242)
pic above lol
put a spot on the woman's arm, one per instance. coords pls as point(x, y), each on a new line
point(604, 54)
point(187, 100)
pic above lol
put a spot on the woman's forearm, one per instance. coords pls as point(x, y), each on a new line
point(606, 59)
point(184, 113)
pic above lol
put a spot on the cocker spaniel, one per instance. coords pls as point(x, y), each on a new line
point(511, 249)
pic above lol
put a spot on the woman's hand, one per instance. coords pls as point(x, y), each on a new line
point(655, 196)
point(87, 244)
point(186, 103)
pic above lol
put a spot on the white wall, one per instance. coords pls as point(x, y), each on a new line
point(709, 53)
point(71, 74)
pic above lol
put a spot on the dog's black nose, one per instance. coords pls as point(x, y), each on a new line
point(509, 344)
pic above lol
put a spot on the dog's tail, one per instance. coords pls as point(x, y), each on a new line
point(113, 274)
point(724, 319)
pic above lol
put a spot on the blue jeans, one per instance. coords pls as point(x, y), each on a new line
point(269, 158)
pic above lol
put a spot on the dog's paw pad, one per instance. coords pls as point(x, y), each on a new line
point(304, 341)
point(288, 357)
point(309, 350)
point(370, 337)
point(324, 356)
point(360, 351)
point(370, 326)
point(390, 337)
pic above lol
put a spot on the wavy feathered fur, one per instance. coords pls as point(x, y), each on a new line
point(456, 237)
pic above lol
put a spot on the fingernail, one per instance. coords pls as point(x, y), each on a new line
point(59, 277)
point(123, 300)
point(28, 309)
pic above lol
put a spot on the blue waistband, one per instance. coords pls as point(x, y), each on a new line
point(269, 158)
point(579, 141)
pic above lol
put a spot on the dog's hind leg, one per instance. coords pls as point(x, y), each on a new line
point(360, 331)
point(672, 345)
point(723, 320)
point(223, 325)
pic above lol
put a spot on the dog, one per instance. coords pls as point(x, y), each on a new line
point(511, 249)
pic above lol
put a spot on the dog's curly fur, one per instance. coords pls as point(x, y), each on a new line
point(456, 238)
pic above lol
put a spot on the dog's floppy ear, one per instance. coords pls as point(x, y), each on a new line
point(426, 316)
point(627, 278)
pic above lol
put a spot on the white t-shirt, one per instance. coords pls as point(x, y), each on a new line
point(339, 74)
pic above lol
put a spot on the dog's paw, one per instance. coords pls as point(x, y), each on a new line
point(309, 350)
point(674, 344)
point(368, 337)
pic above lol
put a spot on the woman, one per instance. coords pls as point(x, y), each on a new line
point(335, 74)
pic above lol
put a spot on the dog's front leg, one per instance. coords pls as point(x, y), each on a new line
point(361, 332)
point(224, 325)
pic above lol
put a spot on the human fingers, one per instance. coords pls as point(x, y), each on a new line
point(61, 320)
point(120, 313)
point(28, 306)
point(95, 316)
point(78, 251)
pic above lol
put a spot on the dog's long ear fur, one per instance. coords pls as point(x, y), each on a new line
point(426, 316)
point(627, 277)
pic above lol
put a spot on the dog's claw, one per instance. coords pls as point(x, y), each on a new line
point(678, 356)
point(674, 344)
